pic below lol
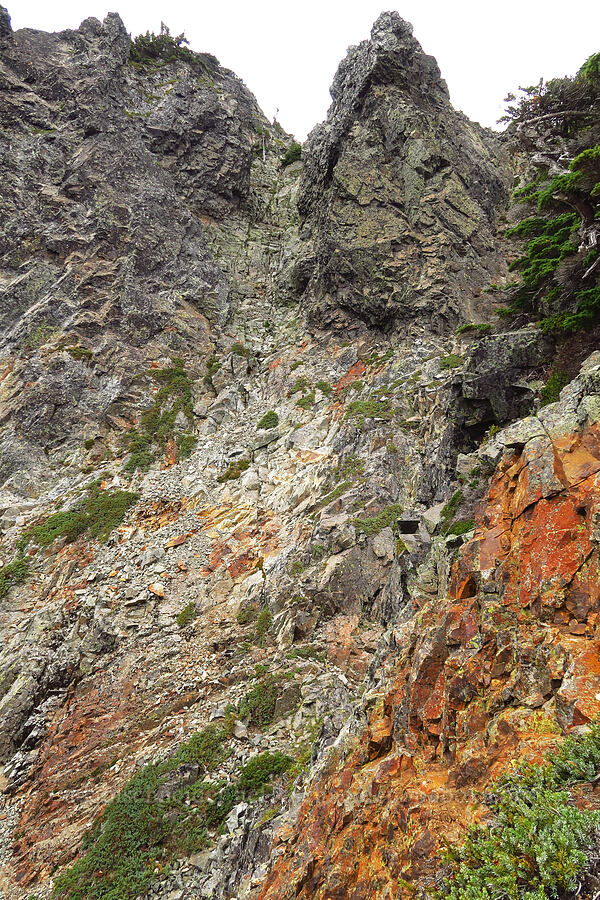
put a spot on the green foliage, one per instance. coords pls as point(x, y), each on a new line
point(97, 515)
point(246, 614)
point(239, 350)
point(258, 705)
point(269, 420)
point(590, 70)
point(212, 367)
point(187, 614)
point(389, 515)
point(370, 409)
point(453, 361)
point(13, 573)
point(234, 470)
point(137, 829)
point(461, 526)
point(263, 624)
point(324, 387)
point(292, 154)
point(307, 401)
point(536, 846)
point(555, 284)
point(80, 353)
point(481, 327)
point(301, 384)
point(308, 651)
point(151, 51)
point(551, 390)
point(260, 771)
point(158, 422)
point(449, 511)
point(185, 444)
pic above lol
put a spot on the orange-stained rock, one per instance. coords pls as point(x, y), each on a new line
point(474, 682)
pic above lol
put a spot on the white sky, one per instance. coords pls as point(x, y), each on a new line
point(287, 51)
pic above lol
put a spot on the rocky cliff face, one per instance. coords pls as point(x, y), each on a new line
point(400, 194)
point(276, 603)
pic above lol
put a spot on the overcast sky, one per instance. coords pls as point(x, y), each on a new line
point(287, 51)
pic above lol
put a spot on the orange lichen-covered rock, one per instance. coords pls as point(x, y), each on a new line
point(476, 680)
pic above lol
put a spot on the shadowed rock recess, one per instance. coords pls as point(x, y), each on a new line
point(298, 541)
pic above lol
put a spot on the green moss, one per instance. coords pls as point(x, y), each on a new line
point(79, 353)
point(389, 515)
point(292, 154)
point(234, 470)
point(551, 390)
point(187, 614)
point(461, 526)
point(453, 361)
point(89, 443)
point(269, 420)
point(13, 573)
point(537, 844)
point(97, 515)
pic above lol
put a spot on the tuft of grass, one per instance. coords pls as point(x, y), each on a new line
point(309, 651)
point(263, 624)
point(239, 350)
point(246, 614)
point(269, 420)
point(324, 387)
point(307, 401)
point(258, 704)
point(292, 154)
point(461, 526)
point(370, 409)
point(481, 327)
point(449, 511)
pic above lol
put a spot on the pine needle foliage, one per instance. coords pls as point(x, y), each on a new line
point(537, 843)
